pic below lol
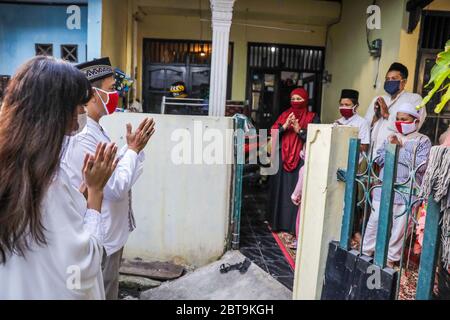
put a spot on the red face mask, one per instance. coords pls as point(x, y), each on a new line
point(406, 127)
point(347, 112)
point(111, 102)
point(298, 104)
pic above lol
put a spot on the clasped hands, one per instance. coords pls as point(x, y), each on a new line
point(98, 169)
point(292, 122)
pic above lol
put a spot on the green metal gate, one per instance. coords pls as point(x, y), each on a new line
point(409, 191)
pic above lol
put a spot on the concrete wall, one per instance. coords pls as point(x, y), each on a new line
point(322, 205)
point(347, 56)
point(23, 25)
point(94, 36)
point(182, 211)
point(114, 31)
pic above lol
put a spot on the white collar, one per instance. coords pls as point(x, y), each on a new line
point(392, 101)
point(93, 123)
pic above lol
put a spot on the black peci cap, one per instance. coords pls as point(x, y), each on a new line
point(97, 69)
point(349, 94)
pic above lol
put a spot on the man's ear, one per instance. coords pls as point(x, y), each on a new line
point(404, 81)
point(94, 98)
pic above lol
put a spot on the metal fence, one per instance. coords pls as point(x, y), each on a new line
point(409, 191)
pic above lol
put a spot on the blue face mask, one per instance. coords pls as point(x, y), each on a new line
point(392, 86)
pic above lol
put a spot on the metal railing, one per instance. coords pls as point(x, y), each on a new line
point(200, 106)
point(408, 191)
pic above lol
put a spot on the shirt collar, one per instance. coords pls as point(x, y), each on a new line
point(392, 101)
point(92, 123)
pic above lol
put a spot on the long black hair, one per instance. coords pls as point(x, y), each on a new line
point(38, 110)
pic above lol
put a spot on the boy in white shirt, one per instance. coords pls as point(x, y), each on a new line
point(348, 105)
point(413, 152)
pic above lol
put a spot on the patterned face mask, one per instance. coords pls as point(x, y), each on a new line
point(406, 127)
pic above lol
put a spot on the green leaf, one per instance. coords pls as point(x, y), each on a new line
point(436, 72)
point(445, 98)
point(444, 87)
point(439, 74)
point(438, 81)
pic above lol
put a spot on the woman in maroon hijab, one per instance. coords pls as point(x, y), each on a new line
point(288, 142)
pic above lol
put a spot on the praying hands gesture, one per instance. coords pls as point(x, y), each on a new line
point(292, 121)
point(382, 106)
point(288, 122)
point(138, 140)
point(96, 172)
point(296, 125)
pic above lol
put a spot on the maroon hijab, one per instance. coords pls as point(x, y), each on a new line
point(291, 144)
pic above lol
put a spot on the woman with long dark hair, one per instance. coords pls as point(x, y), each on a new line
point(50, 236)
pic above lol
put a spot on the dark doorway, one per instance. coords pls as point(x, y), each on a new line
point(168, 61)
point(273, 71)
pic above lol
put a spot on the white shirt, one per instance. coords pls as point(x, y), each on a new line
point(383, 128)
point(117, 198)
point(74, 237)
point(359, 122)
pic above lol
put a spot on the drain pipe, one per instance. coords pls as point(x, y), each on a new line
point(239, 139)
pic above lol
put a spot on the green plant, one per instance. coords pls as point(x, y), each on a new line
point(440, 76)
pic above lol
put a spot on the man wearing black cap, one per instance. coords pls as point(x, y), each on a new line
point(116, 208)
point(348, 105)
point(381, 112)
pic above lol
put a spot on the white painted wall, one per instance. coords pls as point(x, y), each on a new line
point(322, 205)
point(182, 211)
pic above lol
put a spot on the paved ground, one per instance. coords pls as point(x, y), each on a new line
point(207, 283)
point(269, 277)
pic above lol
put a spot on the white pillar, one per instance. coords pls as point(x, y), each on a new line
point(222, 12)
point(322, 205)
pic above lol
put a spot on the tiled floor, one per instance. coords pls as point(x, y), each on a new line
point(256, 241)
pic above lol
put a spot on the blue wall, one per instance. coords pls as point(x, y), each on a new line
point(22, 26)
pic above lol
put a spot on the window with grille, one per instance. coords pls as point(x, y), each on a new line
point(44, 49)
point(435, 29)
point(162, 51)
point(69, 52)
point(288, 57)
